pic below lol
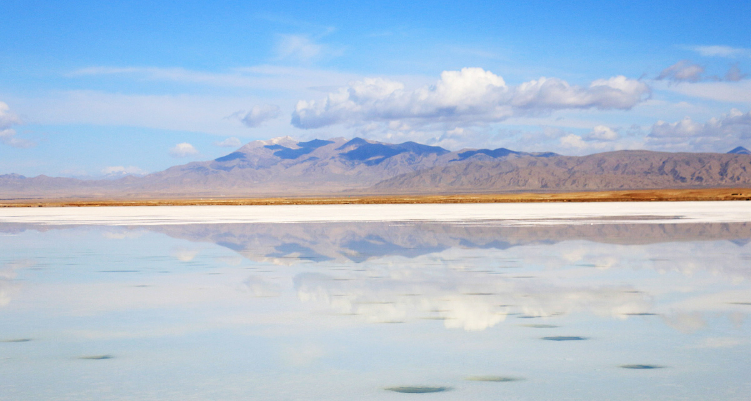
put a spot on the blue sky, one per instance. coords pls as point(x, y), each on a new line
point(89, 88)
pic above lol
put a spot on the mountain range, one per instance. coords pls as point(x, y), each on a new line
point(286, 167)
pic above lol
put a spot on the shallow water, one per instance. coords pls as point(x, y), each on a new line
point(524, 304)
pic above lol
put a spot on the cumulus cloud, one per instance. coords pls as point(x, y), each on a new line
point(601, 133)
point(686, 71)
point(7, 118)
point(684, 128)
point(717, 134)
point(183, 150)
point(229, 143)
point(682, 71)
point(721, 51)
point(7, 134)
point(600, 139)
point(581, 145)
point(257, 115)
point(185, 254)
point(450, 296)
point(122, 170)
point(735, 123)
point(470, 96)
point(573, 141)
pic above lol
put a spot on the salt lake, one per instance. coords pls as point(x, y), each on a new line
point(570, 301)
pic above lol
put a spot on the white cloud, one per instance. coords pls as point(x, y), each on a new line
point(735, 123)
point(614, 93)
point(259, 287)
point(258, 115)
point(602, 133)
point(122, 170)
point(717, 134)
point(7, 134)
point(730, 92)
point(684, 128)
point(123, 234)
point(721, 51)
point(7, 118)
point(471, 96)
point(573, 141)
point(193, 112)
point(682, 71)
point(229, 143)
point(686, 71)
point(269, 77)
point(8, 285)
point(721, 342)
point(185, 254)
point(183, 150)
point(600, 139)
point(297, 47)
point(449, 295)
point(232, 79)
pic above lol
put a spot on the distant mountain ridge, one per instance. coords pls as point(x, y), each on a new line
point(620, 170)
point(286, 167)
point(740, 150)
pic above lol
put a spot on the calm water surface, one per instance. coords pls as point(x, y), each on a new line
point(650, 305)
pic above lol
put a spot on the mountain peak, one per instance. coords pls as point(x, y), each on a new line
point(286, 141)
point(740, 150)
point(357, 141)
point(373, 153)
point(301, 148)
point(12, 176)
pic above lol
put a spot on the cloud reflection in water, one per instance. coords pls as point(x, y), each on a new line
point(293, 306)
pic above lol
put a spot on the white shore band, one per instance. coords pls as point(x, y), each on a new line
point(495, 213)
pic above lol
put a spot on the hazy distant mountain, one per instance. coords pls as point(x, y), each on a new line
point(283, 166)
point(740, 150)
point(362, 241)
point(611, 170)
point(288, 244)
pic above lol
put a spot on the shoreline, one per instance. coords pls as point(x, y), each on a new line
point(656, 195)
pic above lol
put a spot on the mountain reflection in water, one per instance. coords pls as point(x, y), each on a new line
point(310, 310)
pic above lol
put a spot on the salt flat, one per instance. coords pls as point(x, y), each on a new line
point(496, 213)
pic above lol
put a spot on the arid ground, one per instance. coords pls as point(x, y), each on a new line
point(712, 194)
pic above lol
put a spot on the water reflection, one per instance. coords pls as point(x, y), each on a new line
point(363, 311)
point(451, 295)
point(96, 357)
point(642, 367)
point(565, 338)
point(495, 379)
point(417, 389)
point(8, 273)
point(358, 242)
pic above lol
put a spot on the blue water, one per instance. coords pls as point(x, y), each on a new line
point(375, 311)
